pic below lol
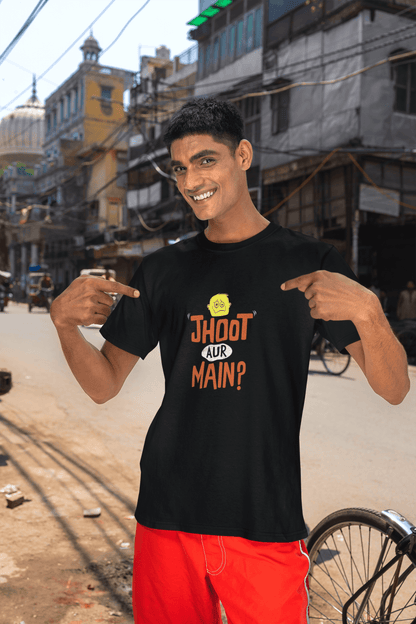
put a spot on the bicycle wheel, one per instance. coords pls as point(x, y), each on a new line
point(335, 362)
point(345, 550)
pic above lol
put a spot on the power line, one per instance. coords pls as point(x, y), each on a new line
point(324, 82)
point(124, 27)
point(62, 55)
point(292, 85)
point(231, 81)
point(29, 71)
point(25, 26)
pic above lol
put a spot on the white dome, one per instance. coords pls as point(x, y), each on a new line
point(22, 132)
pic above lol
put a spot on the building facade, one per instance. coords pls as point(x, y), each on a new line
point(333, 158)
point(363, 199)
point(79, 196)
point(21, 139)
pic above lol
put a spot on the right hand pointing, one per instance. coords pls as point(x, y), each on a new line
point(85, 301)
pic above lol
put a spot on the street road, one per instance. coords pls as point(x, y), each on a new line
point(357, 449)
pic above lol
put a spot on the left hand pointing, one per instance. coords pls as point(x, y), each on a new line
point(333, 296)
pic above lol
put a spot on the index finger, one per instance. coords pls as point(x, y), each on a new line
point(116, 287)
point(301, 282)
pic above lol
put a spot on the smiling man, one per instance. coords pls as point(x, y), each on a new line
point(234, 309)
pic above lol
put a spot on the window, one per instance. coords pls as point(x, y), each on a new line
point(54, 119)
point(405, 87)
point(93, 211)
point(61, 106)
point(253, 131)
point(277, 8)
point(200, 61)
point(208, 58)
point(240, 37)
point(232, 41)
point(106, 93)
point(216, 53)
point(48, 121)
point(280, 111)
point(258, 28)
point(76, 101)
point(223, 47)
point(250, 32)
point(82, 96)
point(68, 105)
point(250, 110)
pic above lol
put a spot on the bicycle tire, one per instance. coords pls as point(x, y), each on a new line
point(332, 571)
point(331, 357)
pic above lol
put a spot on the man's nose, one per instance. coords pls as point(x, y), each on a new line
point(193, 182)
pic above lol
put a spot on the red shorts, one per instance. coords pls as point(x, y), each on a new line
point(179, 578)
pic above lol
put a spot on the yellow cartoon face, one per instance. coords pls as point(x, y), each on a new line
point(219, 305)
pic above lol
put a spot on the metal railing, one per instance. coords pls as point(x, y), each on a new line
point(189, 56)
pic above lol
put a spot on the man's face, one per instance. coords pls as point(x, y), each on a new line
point(197, 174)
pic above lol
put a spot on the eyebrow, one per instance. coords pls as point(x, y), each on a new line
point(205, 152)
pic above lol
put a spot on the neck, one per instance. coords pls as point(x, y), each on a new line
point(235, 232)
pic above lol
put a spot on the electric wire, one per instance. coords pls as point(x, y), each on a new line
point(29, 72)
point(62, 55)
point(327, 82)
point(170, 89)
point(21, 32)
point(124, 27)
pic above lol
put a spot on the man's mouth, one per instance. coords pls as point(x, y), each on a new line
point(203, 196)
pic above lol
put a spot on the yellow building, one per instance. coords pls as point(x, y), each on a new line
point(85, 147)
point(87, 110)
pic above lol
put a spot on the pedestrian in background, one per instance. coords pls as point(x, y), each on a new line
point(406, 306)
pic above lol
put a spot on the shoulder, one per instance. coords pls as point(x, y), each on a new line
point(304, 242)
point(169, 254)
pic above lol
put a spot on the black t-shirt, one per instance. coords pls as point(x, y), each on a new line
point(221, 456)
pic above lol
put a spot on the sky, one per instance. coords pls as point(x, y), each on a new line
point(60, 22)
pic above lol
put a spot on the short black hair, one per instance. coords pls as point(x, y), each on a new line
point(220, 119)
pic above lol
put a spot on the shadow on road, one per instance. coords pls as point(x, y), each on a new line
point(49, 452)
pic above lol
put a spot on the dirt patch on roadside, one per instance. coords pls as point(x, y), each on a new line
point(57, 566)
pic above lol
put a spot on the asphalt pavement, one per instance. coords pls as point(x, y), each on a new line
point(357, 450)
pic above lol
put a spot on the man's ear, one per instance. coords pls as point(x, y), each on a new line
point(245, 152)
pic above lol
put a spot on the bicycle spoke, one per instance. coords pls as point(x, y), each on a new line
point(333, 584)
point(346, 559)
point(331, 605)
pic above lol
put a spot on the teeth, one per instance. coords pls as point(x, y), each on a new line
point(204, 196)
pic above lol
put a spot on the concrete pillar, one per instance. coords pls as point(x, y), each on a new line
point(23, 264)
point(12, 260)
point(355, 241)
point(34, 256)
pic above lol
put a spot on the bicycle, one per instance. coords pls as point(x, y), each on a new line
point(361, 564)
point(335, 362)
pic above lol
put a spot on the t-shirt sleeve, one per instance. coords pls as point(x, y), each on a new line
point(132, 325)
point(339, 333)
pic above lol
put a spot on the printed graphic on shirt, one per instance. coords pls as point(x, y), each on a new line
point(215, 371)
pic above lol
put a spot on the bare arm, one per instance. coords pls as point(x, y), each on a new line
point(335, 297)
point(101, 374)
